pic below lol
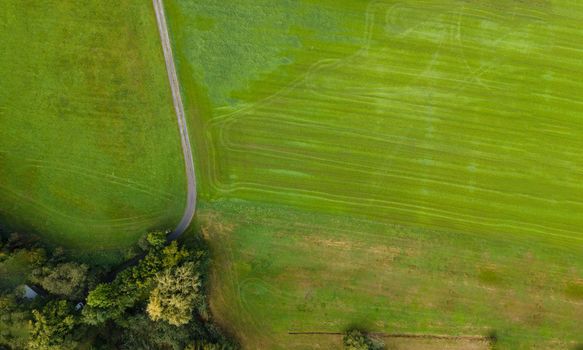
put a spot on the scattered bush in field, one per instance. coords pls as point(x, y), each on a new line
point(356, 340)
point(492, 337)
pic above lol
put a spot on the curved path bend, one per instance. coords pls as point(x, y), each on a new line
point(179, 109)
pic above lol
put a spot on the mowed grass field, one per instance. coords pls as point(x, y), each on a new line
point(446, 114)
point(407, 166)
point(89, 146)
point(279, 270)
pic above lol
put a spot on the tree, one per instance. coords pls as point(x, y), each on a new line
point(51, 327)
point(356, 340)
point(205, 345)
point(142, 333)
point(66, 279)
point(14, 324)
point(108, 301)
point(111, 300)
point(154, 240)
point(177, 290)
point(101, 305)
point(173, 255)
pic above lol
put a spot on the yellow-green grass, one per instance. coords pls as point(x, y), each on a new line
point(89, 146)
point(458, 120)
point(277, 270)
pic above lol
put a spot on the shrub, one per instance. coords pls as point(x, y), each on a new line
point(356, 340)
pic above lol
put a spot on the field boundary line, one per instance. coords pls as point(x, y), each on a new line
point(407, 335)
point(180, 116)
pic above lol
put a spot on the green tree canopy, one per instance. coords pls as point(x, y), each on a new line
point(51, 327)
point(14, 323)
point(175, 295)
point(66, 279)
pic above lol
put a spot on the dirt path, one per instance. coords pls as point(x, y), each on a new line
point(179, 109)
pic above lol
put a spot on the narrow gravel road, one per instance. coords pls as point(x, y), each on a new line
point(179, 108)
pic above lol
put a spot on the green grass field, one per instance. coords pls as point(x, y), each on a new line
point(458, 121)
point(279, 270)
point(404, 166)
point(451, 116)
point(89, 146)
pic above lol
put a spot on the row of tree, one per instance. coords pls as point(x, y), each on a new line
point(158, 303)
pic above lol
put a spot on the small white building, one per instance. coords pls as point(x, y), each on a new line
point(29, 293)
